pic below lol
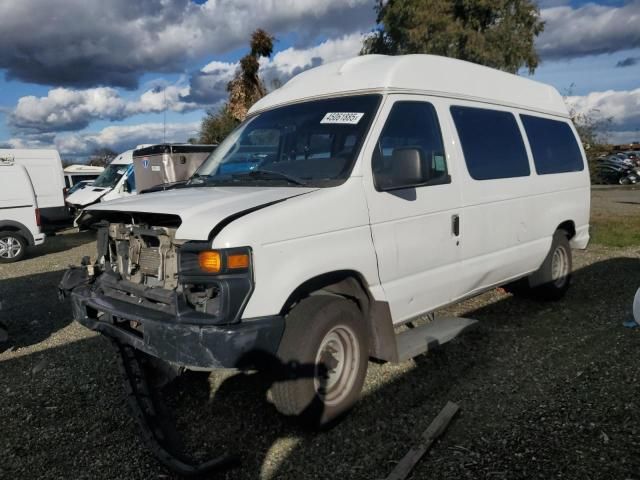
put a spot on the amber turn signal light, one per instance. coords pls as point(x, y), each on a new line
point(237, 261)
point(209, 261)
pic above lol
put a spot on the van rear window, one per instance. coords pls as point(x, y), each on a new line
point(553, 144)
point(491, 143)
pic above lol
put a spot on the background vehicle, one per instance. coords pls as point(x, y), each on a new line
point(167, 163)
point(79, 173)
point(115, 181)
point(19, 213)
point(152, 164)
point(616, 170)
point(46, 176)
point(79, 186)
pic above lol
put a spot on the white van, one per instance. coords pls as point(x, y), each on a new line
point(115, 181)
point(376, 191)
point(44, 168)
point(74, 174)
point(19, 214)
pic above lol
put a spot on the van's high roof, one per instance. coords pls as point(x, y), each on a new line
point(426, 74)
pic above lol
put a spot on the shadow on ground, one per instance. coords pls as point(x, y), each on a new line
point(61, 242)
point(30, 309)
point(545, 390)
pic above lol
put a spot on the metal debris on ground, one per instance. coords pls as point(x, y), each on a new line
point(430, 435)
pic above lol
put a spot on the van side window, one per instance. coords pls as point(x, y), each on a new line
point(553, 144)
point(491, 143)
point(410, 126)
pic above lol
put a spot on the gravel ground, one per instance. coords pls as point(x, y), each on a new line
point(545, 390)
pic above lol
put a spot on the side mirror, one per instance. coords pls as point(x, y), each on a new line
point(407, 169)
point(125, 186)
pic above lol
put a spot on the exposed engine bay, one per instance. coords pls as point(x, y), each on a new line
point(143, 255)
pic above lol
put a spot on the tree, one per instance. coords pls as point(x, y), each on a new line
point(496, 33)
point(217, 125)
point(101, 157)
point(245, 89)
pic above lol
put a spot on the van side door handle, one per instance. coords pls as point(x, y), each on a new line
point(455, 225)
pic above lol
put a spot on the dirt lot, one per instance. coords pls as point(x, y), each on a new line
point(545, 390)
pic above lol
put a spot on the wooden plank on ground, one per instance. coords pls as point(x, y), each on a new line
point(430, 435)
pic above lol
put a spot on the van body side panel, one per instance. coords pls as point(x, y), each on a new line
point(412, 229)
point(507, 224)
point(566, 196)
point(295, 240)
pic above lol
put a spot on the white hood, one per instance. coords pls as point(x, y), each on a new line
point(201, 208)
point(86, 196)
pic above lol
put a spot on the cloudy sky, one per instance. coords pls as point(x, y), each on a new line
point(82, 74)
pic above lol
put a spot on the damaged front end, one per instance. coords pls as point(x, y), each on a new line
point(165, 313)
point(148, 290)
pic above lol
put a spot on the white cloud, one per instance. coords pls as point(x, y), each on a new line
point(210, 83)
point(589, 30)
point(622, 107)
point(64, 109)
point(85, 43)
point(293, 60)
point(124, 137)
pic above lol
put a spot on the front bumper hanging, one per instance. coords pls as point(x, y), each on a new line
point(160, 323)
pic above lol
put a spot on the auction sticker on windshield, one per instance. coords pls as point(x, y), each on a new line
point(348, 118)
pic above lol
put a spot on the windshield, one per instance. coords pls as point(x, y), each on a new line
point(79, 186)
point(312, 143)
point(110, 176)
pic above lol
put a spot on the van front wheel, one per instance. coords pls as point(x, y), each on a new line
point(324, 354)
point(13, 247)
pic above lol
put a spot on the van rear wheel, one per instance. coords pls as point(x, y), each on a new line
point(551, 281)
point(553, 278)
point(13, 247)
point(324, 352)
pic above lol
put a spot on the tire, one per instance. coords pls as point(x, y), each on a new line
point(553, 278)
point(328, 328)
point(13, 247)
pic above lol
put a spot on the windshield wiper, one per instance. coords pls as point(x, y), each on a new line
point(270, 175)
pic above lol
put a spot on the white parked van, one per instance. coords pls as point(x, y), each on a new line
point(44, 168)
point(115, 181)
point(19, 214)
point(374, 191)
point(74, 174)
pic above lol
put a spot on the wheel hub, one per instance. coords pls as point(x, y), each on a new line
point(560, 267)
point(9, 247)
point(336, 364)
